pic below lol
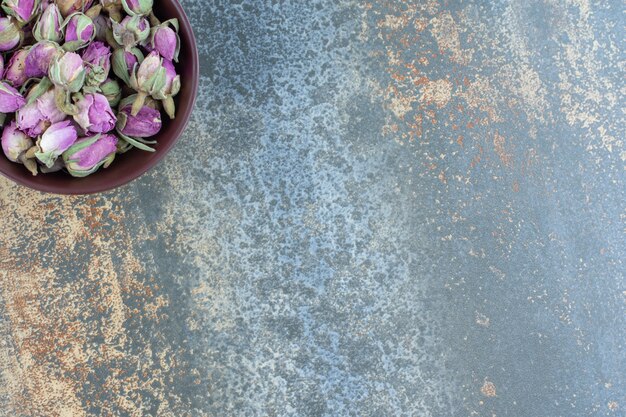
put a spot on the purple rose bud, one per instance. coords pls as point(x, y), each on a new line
point(79, 31)
point(10, 99)
point(98, 55)
point(15, 142)
point(165, 40)
point(36, 117)
point(39, 58)
point(137, 7)
point(87, 155)
point(172, 79)
point(124, 61)
point(146, 123)
point(16, 70)
point(68, 7)
point(133, 57)
point(22, 10)
point(10, 34)
point(1, 66)
point(112, 91)
point(131, 31)
point(95, 114)
point(67, 71)
point(169, 90)
point(148, 79)
point(55, 140)
point(48, 26)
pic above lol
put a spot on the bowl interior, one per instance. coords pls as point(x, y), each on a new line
point(134, 163)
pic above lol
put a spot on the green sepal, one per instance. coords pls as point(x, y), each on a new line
point(169, 107)
point(123, 146)
point(135, 142)
point(30, 164)
point(82, 174)
point(46, 158)
point(63, 101)
point(118, 64)
point(40, 89)
point(79, 146)
point(96, 76)
point(112, 91)
point(127, 100)
point(73, 46)
point(145, 141)
point(78, 82)
point(122, 119)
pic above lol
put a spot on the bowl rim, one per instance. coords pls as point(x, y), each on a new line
point(122, 180)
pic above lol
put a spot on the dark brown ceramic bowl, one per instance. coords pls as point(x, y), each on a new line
point(134, 163)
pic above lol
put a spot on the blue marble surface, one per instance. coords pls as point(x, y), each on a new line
point(379, 209)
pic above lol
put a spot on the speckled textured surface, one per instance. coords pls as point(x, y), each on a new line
point(379, 209)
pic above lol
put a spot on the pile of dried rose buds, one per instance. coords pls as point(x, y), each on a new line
point(84, 80)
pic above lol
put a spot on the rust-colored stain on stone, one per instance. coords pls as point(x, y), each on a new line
point(488, 389)
point(69, 270)
point(499, 144)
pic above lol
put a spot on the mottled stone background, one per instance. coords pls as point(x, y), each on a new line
point(388, 208)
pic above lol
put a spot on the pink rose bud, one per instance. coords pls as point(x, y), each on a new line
point(137, 7)
point(150, 75)
point(48, 26)
point(165, 40)
point(68, 7)
point(145, 124)
point(98, 53)
point(35, 117)
point(112, 91)
point(98, 59)
point(22, 10)
point(131, 31)
point(169, 90)
point(10, 99)
point(55, 140)
point(39, 58)
point(15, 142)
point(16, 70)
point(67, 71)
point(87, 155)
point(95, 114)
point(148, 79)
point(10, 34)
point(124, 61)
point(79, 31)
point(172, 79)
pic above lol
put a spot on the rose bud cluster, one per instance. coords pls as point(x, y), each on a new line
point(82, 81)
